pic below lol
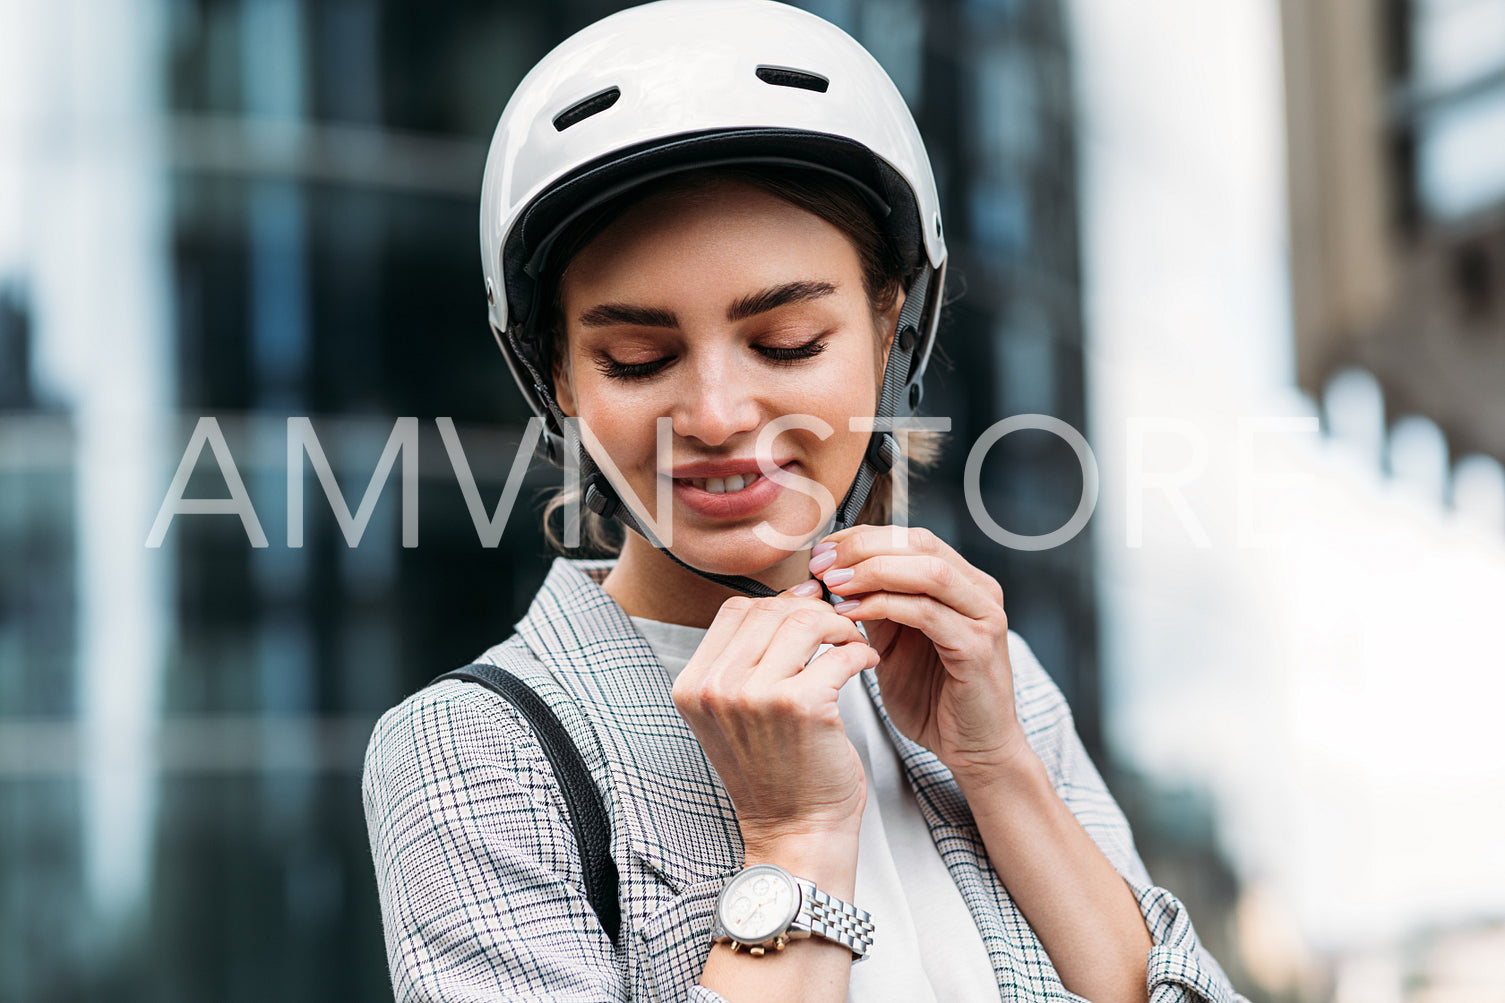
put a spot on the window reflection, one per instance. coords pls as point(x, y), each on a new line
point(1461, 155)
point(1457, 83)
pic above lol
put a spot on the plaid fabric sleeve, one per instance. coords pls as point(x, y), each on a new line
point(481, 889)
point(1179, 968)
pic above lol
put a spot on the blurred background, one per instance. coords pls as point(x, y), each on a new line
point(1253, 249)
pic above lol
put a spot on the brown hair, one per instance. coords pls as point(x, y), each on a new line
point(822, 195)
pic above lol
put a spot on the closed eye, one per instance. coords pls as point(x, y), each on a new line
point(612, 369)
point(808, 350)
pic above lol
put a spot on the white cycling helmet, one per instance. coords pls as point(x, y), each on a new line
point(684, 84)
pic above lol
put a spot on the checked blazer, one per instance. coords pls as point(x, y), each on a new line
point(482, 893)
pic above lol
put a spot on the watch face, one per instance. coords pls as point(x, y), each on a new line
point(758, 904)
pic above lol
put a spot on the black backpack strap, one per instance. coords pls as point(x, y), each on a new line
point(588, 816)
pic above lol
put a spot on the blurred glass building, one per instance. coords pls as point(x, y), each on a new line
point(1396, 156)
point(1396, 112)
point(256, 210)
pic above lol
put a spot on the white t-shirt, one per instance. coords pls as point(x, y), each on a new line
point(926, 947)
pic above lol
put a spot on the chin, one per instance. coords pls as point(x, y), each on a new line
point(732, 553)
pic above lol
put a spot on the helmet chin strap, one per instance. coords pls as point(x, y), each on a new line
point(897, 397)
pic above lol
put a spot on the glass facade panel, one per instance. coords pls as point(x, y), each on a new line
point(1458, 41)
point(1461, 154)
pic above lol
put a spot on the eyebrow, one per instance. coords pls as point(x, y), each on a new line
point(777, 296)
point(613, 314)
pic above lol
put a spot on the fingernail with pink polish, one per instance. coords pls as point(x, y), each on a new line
point(838, 577)
point(821, 562)
point(821, 548)
point(806, 589)
point(847, 606)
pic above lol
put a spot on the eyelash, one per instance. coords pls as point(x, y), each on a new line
point(612, 369)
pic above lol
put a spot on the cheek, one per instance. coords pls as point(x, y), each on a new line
point(623, 418)
point(853, 388)
point(852, 396)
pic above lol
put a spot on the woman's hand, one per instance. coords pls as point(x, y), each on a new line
point(939, 626)
point(769, 722)
point(770, 725)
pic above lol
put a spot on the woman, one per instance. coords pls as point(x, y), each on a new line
point(711, 242)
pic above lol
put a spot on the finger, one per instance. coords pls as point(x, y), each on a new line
point(859, 543)
point(803, 631)
point(748, 646)
point(955, 636)
point(807, 589)
point(721, 668)
point(866, 540)
point(913, 574)
point(728, 619)
point(834, 667)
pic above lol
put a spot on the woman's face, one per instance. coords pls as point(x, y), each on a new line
point(723, 309)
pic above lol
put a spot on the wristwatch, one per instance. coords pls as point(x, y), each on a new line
point(764, 906)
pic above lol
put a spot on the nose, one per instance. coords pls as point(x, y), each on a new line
point(716, 402)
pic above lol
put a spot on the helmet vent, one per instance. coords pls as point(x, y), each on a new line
point(781, 76)
point(593, 105)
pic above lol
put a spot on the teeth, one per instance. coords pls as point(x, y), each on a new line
point(724, 485)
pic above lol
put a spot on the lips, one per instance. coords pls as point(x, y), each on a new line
point(724, 490)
